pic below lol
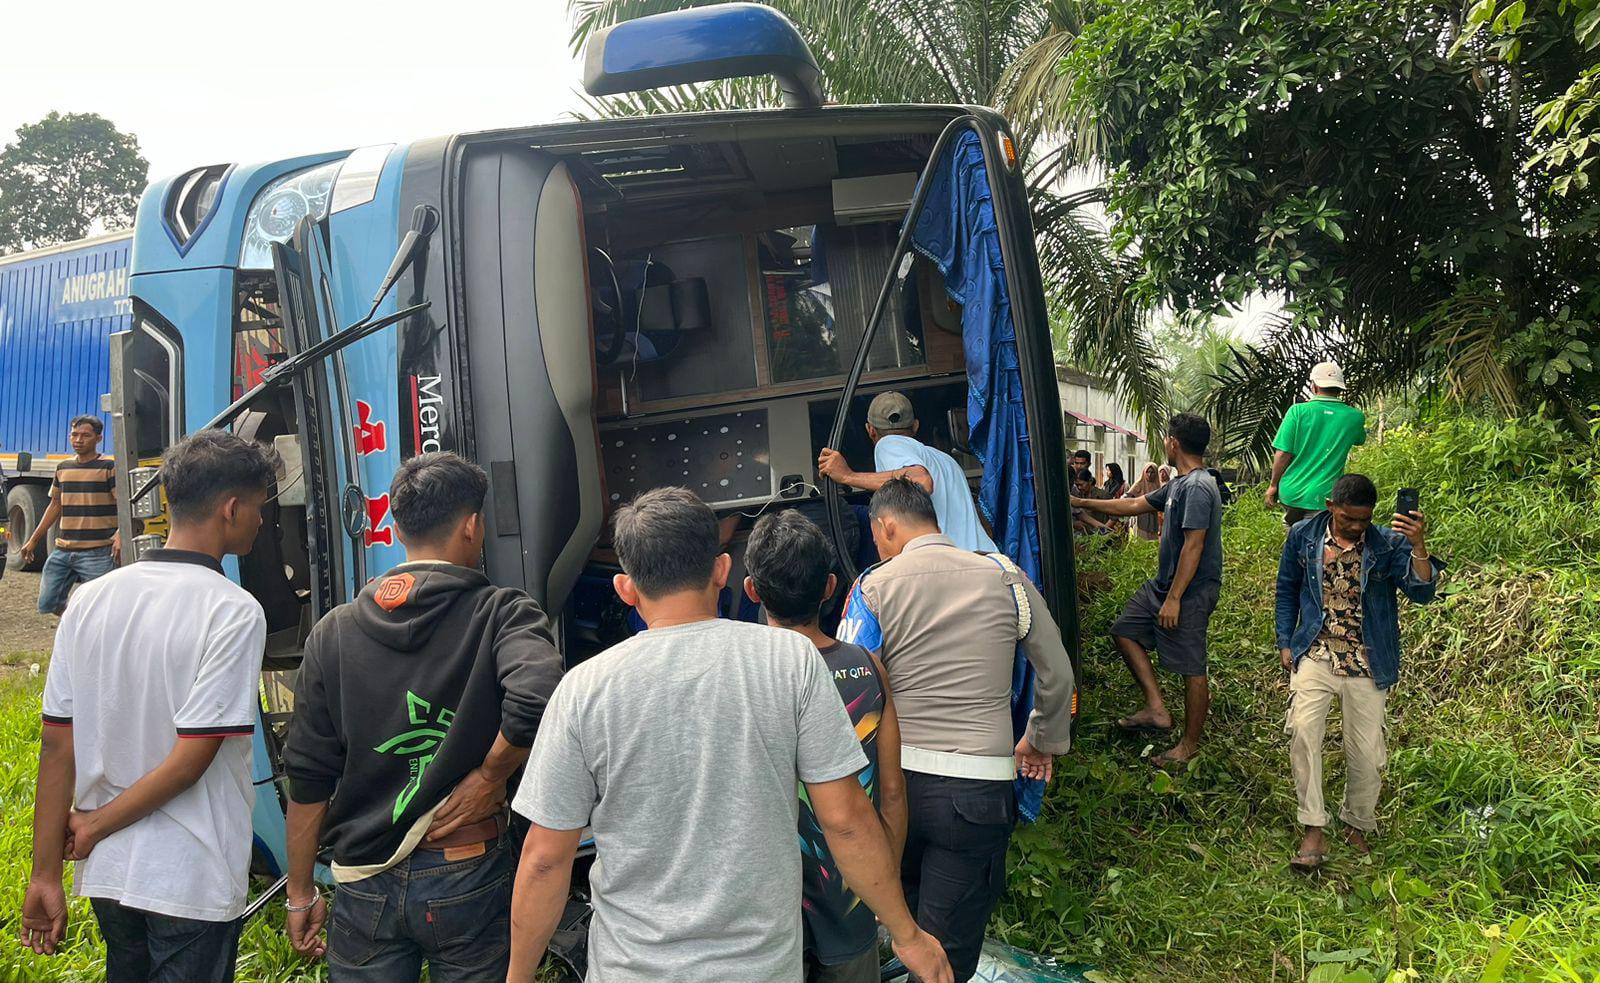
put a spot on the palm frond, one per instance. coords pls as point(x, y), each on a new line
point(1099, 325)
point(1032, 90)
point(1468, 334)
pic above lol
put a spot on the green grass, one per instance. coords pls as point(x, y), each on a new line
point(1490, 849)
point(1488, 862)
point(264, 952)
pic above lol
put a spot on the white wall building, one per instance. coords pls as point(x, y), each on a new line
point(1095, 420)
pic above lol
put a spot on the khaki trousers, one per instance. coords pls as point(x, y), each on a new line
point(1312, 688)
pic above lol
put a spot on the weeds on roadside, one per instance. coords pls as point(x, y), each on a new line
point(1488, 865)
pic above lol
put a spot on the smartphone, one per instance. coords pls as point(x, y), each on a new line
point(1407, 500)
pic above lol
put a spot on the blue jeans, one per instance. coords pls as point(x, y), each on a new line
point(63, 568)
point(455, 914)
point(144, 947)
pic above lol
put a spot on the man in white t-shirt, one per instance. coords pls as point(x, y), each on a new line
point(897, 453)
point(150, 701)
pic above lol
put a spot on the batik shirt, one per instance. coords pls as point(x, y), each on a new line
point(1340, 644)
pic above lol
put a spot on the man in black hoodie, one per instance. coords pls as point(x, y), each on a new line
point(415, 705)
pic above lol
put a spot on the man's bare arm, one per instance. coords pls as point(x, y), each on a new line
point(304, 928)
point(831, 464)
point(544, 876)
point(861, 851)
point(892, 807)
point(52, 513)
point(182, 767)
point(1280, 464)
point(482, 793)
point(304, 822)
point(44, 907)
point(1115, 506)
point(1194, 544)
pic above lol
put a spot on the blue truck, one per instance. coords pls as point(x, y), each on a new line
point(59, 307)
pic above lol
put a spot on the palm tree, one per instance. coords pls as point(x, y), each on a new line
point(1198, 355)
point(998, 53)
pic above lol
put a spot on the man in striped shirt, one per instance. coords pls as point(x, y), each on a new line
point(84, 498)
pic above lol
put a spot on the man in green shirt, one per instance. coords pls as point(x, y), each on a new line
point(1313, 444)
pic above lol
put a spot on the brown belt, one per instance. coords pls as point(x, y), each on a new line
point(478, 832)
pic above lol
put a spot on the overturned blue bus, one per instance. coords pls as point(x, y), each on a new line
point(589, 309)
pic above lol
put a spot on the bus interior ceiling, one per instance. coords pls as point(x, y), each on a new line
point(731, 282)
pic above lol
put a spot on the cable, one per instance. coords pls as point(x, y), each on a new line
point(638, 316)
point(286, 486)
point(773, 498)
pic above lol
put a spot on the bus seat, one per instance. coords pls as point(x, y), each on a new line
point(532, 363)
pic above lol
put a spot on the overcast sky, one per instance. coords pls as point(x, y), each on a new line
point(224, 82)
point(213, 82)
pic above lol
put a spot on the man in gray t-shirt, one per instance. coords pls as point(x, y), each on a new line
point(680, 750)
point(1171, 612)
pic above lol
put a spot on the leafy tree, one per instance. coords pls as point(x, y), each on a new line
point(1335, 153)
point(1195, 353)
point(998, 53)
point(65, 174)
point(1571, 121)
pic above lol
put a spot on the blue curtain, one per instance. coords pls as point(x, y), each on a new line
point(957, 233)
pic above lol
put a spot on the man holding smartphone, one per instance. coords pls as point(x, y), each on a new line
point(1338, 625)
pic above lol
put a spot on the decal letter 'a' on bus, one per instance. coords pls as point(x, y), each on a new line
point(369, 433)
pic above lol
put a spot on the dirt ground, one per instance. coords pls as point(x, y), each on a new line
point(25, 634)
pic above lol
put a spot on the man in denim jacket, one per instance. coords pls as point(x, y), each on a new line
point(1339, 636)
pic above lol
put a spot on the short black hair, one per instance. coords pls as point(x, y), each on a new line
point(95, 423)
point(1191, 432)
point(903, 499)
point(1080, 452)
point(1355, 491)
point(431, 492)
point(1083, 474)
point(789, 558)
point(666, 540)
point(201, 471)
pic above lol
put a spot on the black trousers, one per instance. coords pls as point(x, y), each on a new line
point(1292, 515)
point(144, 947)
point(954, 869)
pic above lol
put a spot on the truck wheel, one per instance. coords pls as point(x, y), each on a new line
point(25, 505)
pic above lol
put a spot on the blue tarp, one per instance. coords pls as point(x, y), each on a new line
point(957, 232)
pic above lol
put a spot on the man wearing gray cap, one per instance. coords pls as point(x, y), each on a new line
point(897, 453)
point(1313, 445)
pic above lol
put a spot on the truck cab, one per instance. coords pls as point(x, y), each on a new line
point(590, 309)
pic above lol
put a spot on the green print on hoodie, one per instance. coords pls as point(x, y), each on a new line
point(397, 702)
point(418, 744)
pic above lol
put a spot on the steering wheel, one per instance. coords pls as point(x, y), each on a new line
point(605, 302)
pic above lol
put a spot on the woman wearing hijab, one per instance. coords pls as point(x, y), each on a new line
point(1146, 526)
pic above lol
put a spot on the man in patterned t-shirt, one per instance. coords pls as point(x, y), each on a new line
point(84, 498)
point(790, 563)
